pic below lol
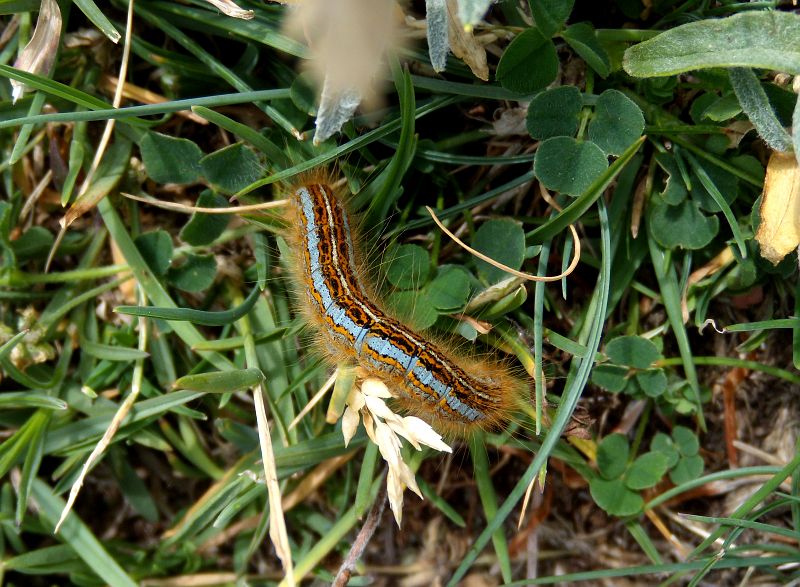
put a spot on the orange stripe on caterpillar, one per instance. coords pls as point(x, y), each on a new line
point(454, 395)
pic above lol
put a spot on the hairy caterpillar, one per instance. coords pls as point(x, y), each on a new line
point(456, 395)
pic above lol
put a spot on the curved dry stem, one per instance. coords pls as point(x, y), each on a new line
point(576, 257)
point(314, 400)
point(192, 209)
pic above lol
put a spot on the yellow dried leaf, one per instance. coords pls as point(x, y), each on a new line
point(779, 231)
point(127, 289)
point(723, 259)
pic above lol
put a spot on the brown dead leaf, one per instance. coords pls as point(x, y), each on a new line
point(109, 83)
point(779, 231)
point(464, 45)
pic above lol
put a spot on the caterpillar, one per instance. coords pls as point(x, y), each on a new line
point(454, 394)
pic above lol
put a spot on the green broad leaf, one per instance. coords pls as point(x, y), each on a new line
point(632, 388)
point(686, 441)
point(528, 64)
point(610, 377)
point(533, 251)
point(581, 204)
point(675, 190)
point(449, 290)
point(550, 15)
point(554, 113)
point(749, 165)
point(646, 470)
point(685, 407)
point(195, 274)
point(663, 443)
point(413, 308)
point(582, 38)
point(221, 381)
point(722, 109)
point(503, 240)
point(764, 39)
point(202, 229)
point(653, 382)
point(303, 94)
point(170, 160)
point(699, 105)
point(612, 456)
point(231, 169)
point(508, 303)
point(617, 122)
point(34, 242)
point(156, 249)
point(408, 266)
point(682, 226)
point(467, 331)
point(615, 498)
point(688, 469)
point(567, 166)
point(633, 351)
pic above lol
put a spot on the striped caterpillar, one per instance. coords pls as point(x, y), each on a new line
point(455, 395)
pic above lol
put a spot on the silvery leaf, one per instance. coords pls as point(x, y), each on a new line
point(336, 107)
point(438, 39)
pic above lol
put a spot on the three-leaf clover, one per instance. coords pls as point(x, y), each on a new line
point(630, 367)
point(619, 480)
point(681, 451)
